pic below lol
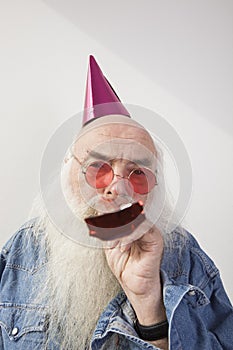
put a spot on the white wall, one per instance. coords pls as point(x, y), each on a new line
point(185, 74)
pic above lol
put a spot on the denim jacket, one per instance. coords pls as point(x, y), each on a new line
point(198, 310)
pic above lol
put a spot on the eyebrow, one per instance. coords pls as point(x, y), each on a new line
point(144, 161)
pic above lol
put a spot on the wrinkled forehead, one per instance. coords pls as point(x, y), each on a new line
point(115, 140)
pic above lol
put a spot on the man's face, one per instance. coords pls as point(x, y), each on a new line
point(124, 147)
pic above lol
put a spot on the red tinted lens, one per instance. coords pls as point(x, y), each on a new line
point(99, 174)
point(142, 180)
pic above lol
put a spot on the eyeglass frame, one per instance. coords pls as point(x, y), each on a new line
point(117, 175)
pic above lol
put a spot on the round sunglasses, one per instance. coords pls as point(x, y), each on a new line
point(99, 174)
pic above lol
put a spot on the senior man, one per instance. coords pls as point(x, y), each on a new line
point(148, 289)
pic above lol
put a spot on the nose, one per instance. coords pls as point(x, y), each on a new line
point(120, 185)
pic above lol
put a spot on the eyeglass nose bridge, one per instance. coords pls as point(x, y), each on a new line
point(120, 185)
point(117, 177)
point(120, 176)
point(126, 177)
point(131, 183)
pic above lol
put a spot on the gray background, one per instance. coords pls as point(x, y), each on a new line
point(174, 57)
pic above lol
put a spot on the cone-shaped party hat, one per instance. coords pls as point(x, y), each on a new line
point(101, 99)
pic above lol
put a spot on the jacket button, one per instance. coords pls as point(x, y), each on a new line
point(192, 293)
point(15, 331)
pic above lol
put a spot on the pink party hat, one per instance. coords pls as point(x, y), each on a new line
point(101, 99)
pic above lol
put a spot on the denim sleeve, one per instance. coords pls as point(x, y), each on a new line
point(204, 318)
point(204, 323)
point(219, 317)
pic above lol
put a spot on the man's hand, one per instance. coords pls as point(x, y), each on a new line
point(135, 261)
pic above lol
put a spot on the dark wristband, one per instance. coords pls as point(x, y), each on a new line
point(154, 332)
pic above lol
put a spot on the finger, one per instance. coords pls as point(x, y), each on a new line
point(137, 234)
point(116, 260)
point(125, 247)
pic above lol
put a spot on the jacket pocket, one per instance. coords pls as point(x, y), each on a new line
point(23, 326)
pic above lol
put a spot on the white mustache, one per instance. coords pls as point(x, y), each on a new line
point(101, 206)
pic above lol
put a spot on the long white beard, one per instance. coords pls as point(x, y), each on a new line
point(79, 283)
point(78, 287)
